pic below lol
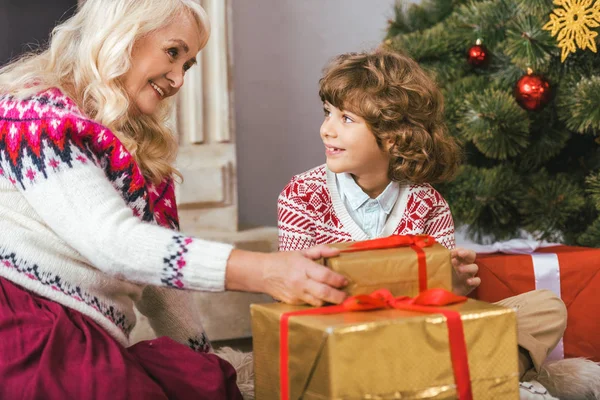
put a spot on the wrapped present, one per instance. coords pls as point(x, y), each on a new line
point(573, 273)
point(403, 264)
point(435, 346)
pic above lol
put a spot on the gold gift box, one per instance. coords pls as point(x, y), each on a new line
point(395, 269)
point(385, 354)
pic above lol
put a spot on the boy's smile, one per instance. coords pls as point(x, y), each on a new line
point(331, 151)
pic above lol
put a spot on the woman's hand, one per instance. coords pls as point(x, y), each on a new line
point(291, 277)
point(464, 271)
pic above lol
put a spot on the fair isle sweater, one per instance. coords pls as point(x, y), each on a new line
point(310, 211)
point(80, 225)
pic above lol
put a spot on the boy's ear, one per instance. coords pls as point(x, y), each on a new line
point(387, 144)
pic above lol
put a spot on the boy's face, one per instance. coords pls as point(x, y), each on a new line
point(350, 146)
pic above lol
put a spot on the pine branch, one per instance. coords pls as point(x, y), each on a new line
point(455, 92)
point(591, 236)
point(548, 204)
point(592, 183)
point(578, 224)
point(484, 20)
point(579, 105)
point(411, 17)
point(537, 8)
point(578, 158)
point(435, 43)
point(503, 72)
point(582, 63)
point(548, 138)
point(494, 122)
point(486, 200)
point(451, 69)
point(527, 44)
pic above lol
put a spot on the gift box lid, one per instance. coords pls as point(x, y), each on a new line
point(395, 269)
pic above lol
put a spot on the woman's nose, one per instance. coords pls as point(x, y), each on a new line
point(175, 79)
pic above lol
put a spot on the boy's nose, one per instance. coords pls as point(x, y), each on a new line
point(327, 129)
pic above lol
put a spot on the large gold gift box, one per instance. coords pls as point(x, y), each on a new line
point(395, 269)
point(384, 354)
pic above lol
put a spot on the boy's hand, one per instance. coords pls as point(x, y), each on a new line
point(464, 271)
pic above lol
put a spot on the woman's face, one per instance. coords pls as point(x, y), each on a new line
point(159, 61)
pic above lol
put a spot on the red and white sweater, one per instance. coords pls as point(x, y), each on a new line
point(80, 225)
point(310, 211)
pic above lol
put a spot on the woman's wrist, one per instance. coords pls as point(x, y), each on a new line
point(245, 271)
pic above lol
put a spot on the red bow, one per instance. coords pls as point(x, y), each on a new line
point(415, 242)
point(392, 241)
point(425, 302)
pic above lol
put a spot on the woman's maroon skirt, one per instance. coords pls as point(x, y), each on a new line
point(48, 351)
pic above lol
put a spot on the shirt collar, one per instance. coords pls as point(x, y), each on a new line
point(351, 191)
point(389, 196)
point(356, 197)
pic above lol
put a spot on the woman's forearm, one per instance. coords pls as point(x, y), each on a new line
point(245, 271)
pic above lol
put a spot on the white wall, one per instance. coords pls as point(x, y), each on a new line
point(280, 48)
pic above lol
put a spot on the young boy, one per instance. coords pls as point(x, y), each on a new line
point(386, 141)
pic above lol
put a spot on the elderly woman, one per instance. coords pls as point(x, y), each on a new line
point(88, 225)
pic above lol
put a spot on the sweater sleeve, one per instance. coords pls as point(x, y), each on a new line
point(439, 222)
point(296, 227)
point(174, 313)
point(76, 200)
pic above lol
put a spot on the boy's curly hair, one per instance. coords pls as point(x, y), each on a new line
point(399, 103)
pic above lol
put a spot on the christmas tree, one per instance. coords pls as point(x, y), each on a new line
point(521, 80)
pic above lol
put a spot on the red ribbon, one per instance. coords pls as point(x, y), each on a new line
point(426, 302)
point(415, 242)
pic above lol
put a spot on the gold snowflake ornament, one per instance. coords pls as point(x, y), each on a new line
point(572, 22)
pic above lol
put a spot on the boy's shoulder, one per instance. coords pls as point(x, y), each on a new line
point(312, 181)
point(316, 174)
point(314, 177)
point(427, 193)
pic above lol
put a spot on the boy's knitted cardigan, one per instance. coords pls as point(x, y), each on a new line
point(80, 225)
point(310, 211)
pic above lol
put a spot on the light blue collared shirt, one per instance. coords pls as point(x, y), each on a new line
point(369, 214)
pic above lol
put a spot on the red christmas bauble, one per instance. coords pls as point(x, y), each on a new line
point(533, 92)
point(478, 56)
